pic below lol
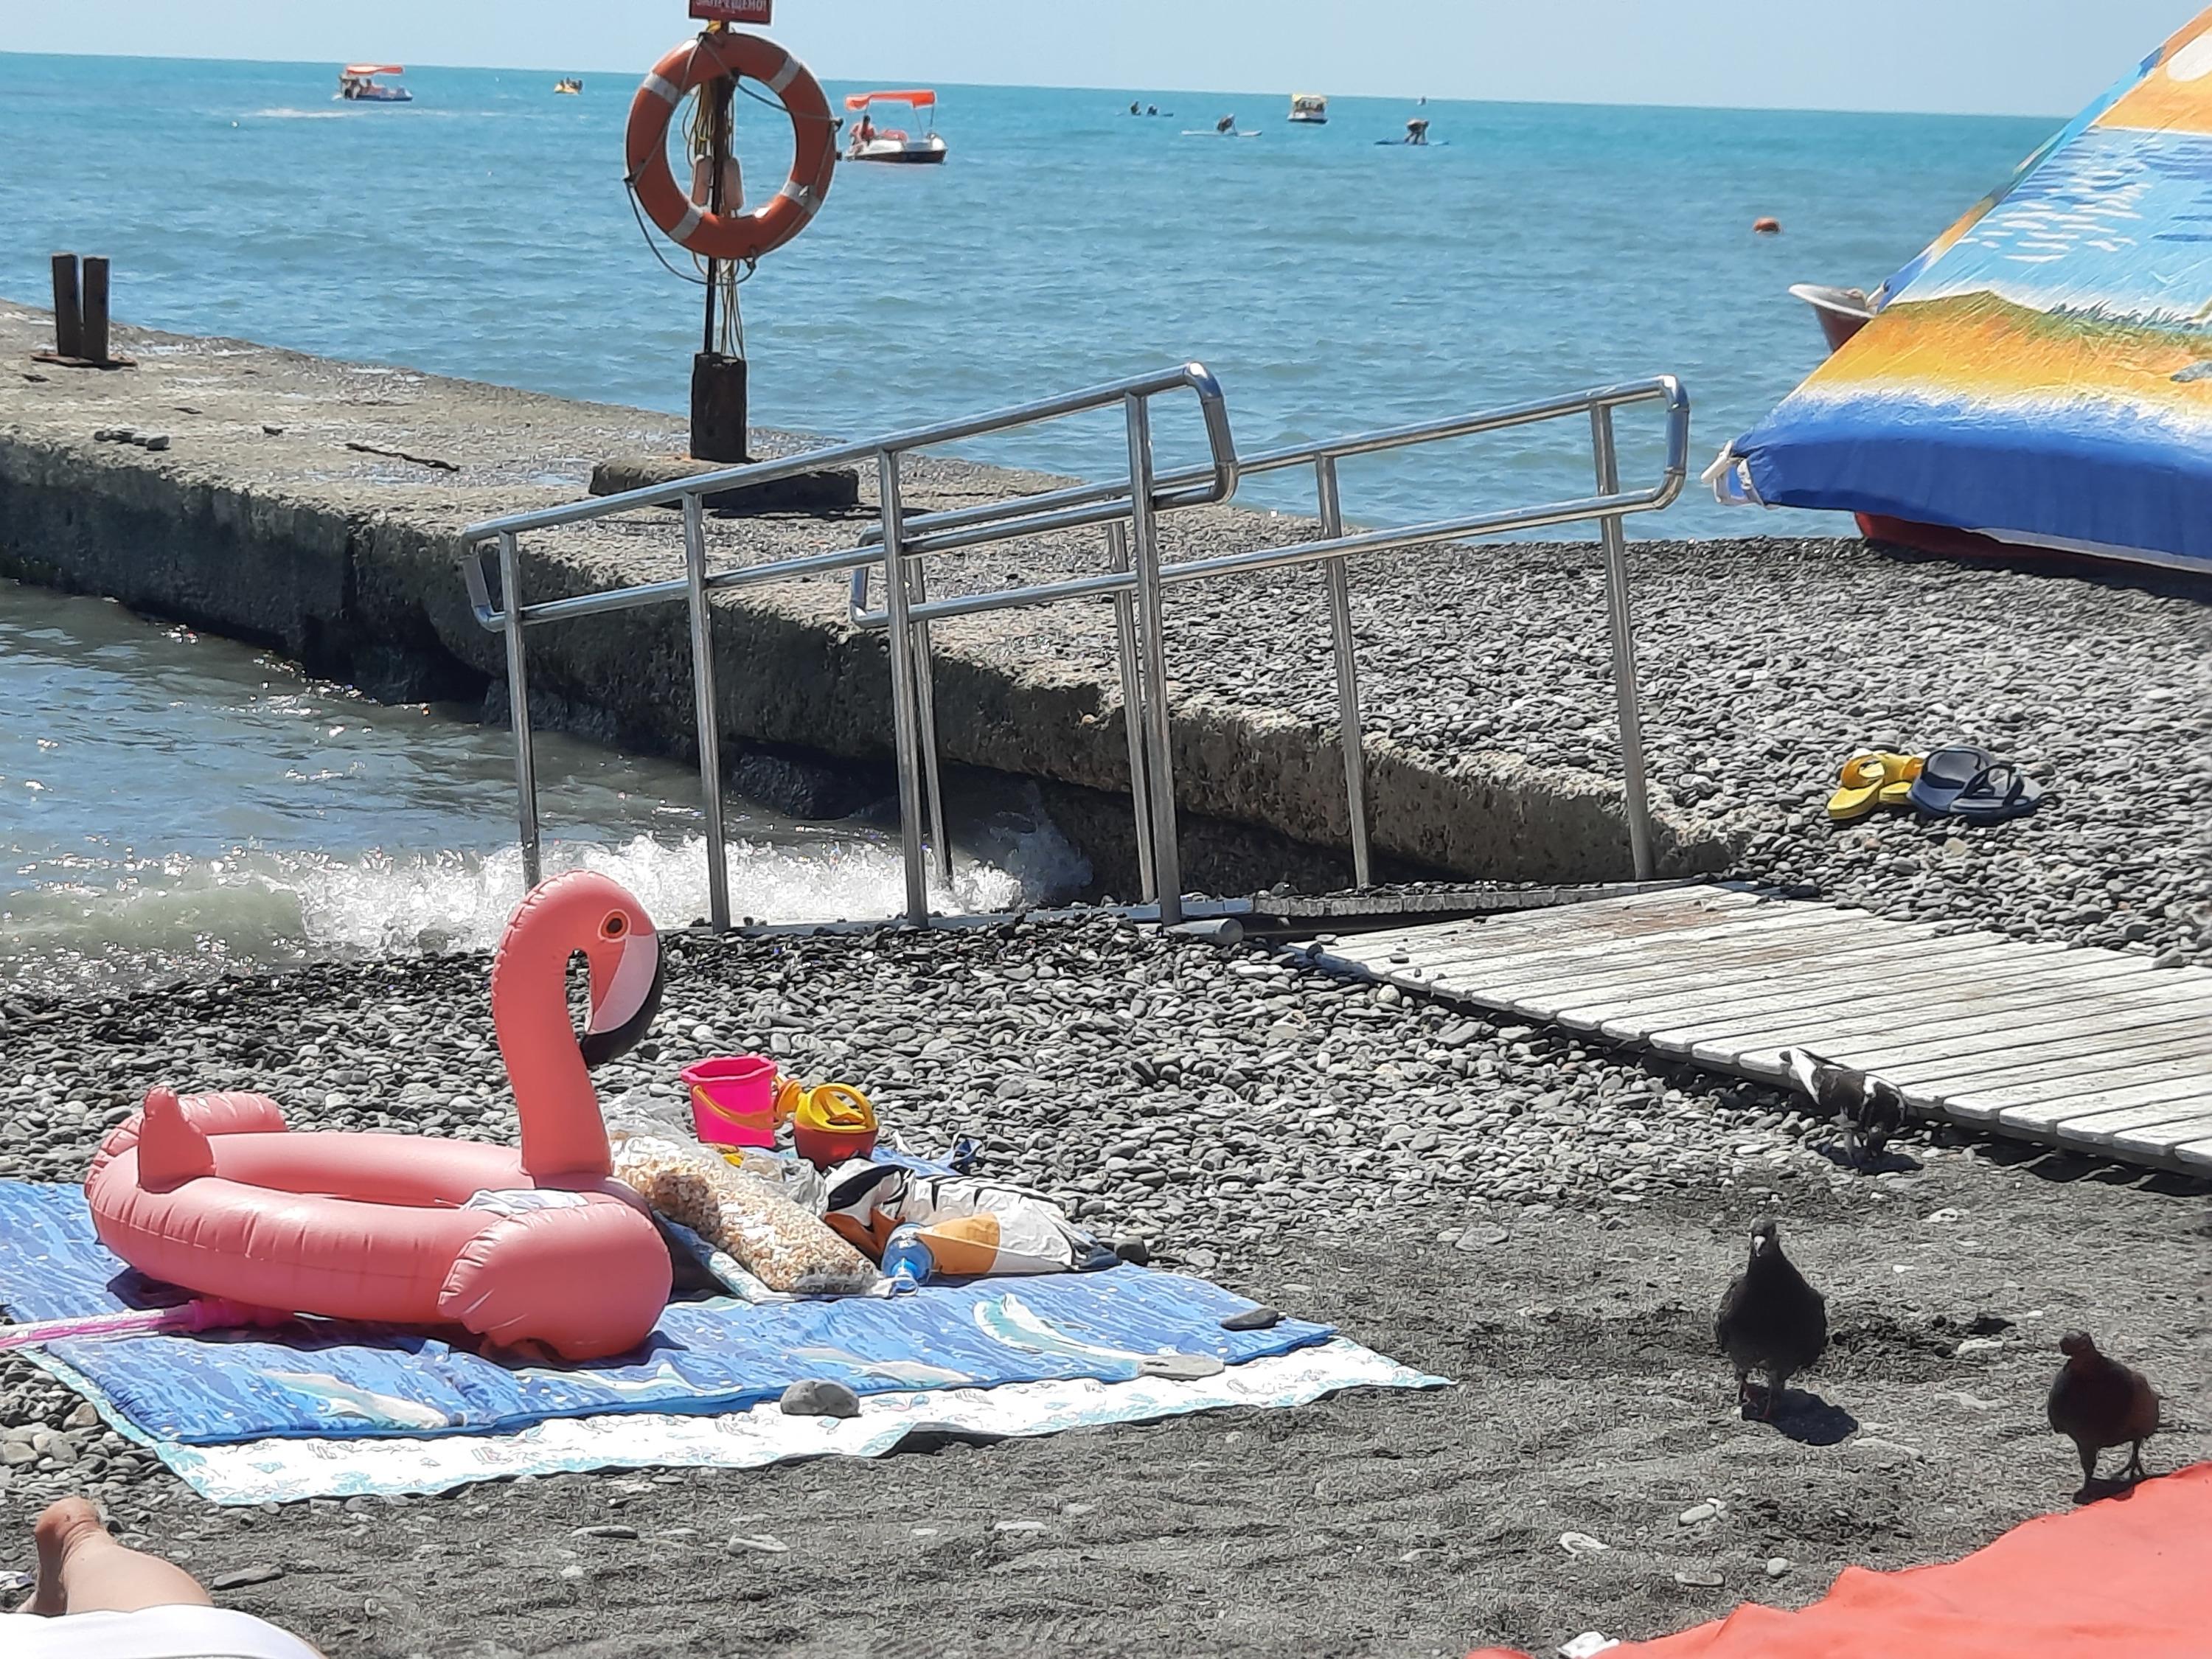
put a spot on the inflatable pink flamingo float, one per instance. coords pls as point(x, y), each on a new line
point(211, 1192)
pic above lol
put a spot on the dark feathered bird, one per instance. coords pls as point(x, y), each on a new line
point(1869, 1108)
point(2097, 1403)
point(1770, 1318)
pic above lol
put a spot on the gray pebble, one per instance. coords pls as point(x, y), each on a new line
point(820, 1397)
point(1259, 1318)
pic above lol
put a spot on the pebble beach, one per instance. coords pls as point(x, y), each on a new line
point(1546, 1222)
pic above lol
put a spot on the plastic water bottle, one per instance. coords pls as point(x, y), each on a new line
point(906, 1259)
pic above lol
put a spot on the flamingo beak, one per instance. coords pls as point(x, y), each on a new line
point(623, 1008)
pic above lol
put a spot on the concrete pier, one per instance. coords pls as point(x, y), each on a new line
point(315, 506)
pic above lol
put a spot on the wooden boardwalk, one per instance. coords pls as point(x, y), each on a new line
point(2092, 1050)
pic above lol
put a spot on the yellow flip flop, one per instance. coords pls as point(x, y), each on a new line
point(1898, 791)
point(1872, 779)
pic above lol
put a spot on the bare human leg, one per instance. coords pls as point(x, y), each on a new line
point(83, 1570)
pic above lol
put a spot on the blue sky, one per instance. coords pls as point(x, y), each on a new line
point(1995, 57)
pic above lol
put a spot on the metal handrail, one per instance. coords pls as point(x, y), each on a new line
point(1609, 506)
point(1212, 408)
point(912, 701)
point(1127, 510)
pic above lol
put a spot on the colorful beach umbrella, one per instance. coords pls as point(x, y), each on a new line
point(2042, 374)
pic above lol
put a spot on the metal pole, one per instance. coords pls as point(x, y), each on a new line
point(518, 704)
point(1132, 714)
point(900, 637)
point(1347, 676)
point(718, 151)
point(94, 348)
point(1144, 549)
point(1624, 647)
point(925, 698)
point(68, 308)
point(702, 694)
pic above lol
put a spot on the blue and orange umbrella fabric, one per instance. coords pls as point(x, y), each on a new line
point(2042, 374)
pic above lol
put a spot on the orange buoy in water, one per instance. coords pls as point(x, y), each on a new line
point(1766, 226)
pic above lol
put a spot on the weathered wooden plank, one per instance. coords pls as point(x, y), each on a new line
point(2082, 1118)
point(2159, 1144)
point(1582, 944)
point(1848, 957)
point(1537, 968)
point(1734, 971)
point(2109, 1131)
point(2027, 1016)
point(1836, 986)
point(1897, 1017)
point(1596, 914)
point(1971, 1099)
point(2040, 1116)
point(2187, 1057)
point(2195, 1156)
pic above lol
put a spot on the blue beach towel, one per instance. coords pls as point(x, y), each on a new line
point(325, 1380)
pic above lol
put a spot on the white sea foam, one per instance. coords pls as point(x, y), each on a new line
point(186, 916)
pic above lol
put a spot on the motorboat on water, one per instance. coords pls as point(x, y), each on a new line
point(1843, 312)
point(867, 141)
point(568, 86)
point(1309, 109)
point(357, 84)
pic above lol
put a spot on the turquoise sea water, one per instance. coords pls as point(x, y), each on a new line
point(166, 801)
point(1332, 281)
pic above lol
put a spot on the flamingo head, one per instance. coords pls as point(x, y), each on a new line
point(584, 913)
point(623, 956)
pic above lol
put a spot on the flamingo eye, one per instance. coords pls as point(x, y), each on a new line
point(614, 926)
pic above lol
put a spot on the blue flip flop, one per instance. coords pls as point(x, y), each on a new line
point(1997, 793)
point(1946, 775)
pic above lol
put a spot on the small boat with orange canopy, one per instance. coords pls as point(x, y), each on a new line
point(357, 84)
point(866, 142)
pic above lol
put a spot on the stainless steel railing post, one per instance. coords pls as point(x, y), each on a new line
point(900, 637)
point(702, 694)
point(1624, 647)
point(925, 698)
point(1347, 676)
point(517, 702)
point(1144, 553)
point(1132, 714)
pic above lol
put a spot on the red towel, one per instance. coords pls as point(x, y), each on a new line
point(2125, 1578)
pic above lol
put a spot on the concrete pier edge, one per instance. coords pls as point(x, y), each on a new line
point(280, 514)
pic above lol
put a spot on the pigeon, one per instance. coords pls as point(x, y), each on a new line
point(1770, 1317)
point(1870, 1108)
point(2098, 1402)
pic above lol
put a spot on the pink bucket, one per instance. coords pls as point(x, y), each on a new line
point(733, 1100)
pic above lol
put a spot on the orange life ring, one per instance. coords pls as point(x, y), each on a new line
point(730, 235)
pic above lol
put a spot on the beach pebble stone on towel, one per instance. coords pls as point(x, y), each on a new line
point(819, 1397)
point(1259, 1318)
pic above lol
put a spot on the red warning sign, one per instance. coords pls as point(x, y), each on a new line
point(731, 11)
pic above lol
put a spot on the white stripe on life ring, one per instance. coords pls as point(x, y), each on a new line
point(663, 90)
point(681, 235)
point(807, 200)
point(784, 77)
